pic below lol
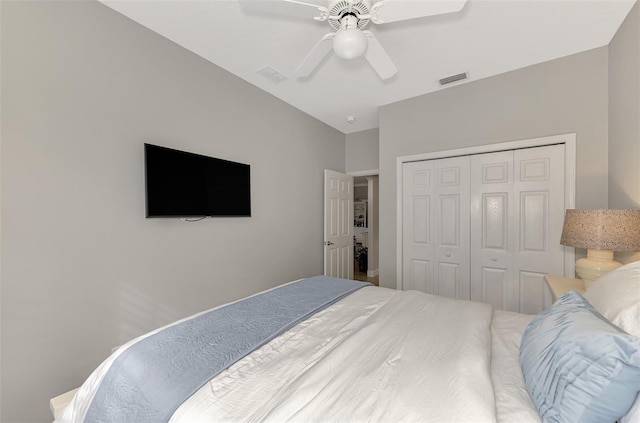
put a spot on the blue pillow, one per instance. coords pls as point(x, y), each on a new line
point(578, 366)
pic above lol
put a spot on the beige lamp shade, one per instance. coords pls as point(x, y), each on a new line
point(615, 230)
point(602, 232)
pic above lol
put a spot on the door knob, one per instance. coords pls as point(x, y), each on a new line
point(448, 254)
point(494, 258)
point(328, 243)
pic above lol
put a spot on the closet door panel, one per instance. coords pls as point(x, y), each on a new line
point(420, 207)
point(494, 287)
point(495, 218)
point(491, 232)
point(539, 189)
point(421, 279)
point(449, 280)
point(534, 218)
point(534, 293)
point(451, 224)
point(485, 227)
point(417, 235)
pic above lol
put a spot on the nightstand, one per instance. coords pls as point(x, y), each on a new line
point(560, 286)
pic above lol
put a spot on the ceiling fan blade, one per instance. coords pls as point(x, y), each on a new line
point(386, 11)
point(315, 56)
point(378, 57)
point(287, 7)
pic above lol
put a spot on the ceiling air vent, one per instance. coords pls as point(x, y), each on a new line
point(272, 75)
point(453, 78)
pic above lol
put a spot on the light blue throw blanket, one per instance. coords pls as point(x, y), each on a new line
point(153, 377)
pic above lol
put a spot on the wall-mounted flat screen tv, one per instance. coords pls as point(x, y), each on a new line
point(182, 184)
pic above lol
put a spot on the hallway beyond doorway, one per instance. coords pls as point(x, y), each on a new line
point(362, 276)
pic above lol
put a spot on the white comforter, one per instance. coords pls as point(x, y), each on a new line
point(378, 355)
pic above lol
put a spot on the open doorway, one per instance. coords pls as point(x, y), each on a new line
point(366, 232)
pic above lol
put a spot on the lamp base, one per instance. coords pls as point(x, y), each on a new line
point(596, 264)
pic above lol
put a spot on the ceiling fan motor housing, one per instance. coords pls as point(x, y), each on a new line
point(341, 8)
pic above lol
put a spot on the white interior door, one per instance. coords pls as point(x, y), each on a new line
point(517, 200)
point(338, 224)
point(485, 227)
point(451, 227)
point(539, 209)
point(417, 245)
point(492, 231)
point(436, 227)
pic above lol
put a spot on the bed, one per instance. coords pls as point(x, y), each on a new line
point(366, 353)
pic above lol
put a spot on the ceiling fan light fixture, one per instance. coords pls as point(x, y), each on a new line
point(349, 43)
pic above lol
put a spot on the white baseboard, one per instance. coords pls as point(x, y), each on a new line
point(372, 273)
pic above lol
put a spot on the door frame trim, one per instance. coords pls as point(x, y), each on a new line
point(374, 230)
point(371, 172)
point(569, 141)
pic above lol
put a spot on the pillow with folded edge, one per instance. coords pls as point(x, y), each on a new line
point(616, 295)
point(578, 366)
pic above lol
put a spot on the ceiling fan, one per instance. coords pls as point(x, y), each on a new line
point(349, 18)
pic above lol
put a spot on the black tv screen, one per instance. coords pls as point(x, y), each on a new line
point(181, 184)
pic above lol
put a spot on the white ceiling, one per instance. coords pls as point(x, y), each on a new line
point(486, 38)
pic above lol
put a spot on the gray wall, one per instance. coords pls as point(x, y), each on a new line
point(361, 149)
point(624, 114)
point(560, 96)
point(82, 269)
point(360, 193)
point(624, 119)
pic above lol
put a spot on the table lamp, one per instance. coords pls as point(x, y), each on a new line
point(601, 232)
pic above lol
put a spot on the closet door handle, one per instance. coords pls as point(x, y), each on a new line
point(448, 254)
point(494, 258)
point(329, 243)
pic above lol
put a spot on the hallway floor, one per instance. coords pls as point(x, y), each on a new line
point(362, 276)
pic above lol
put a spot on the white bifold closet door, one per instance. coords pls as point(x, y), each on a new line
point(436, 227)
point(485, 227)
